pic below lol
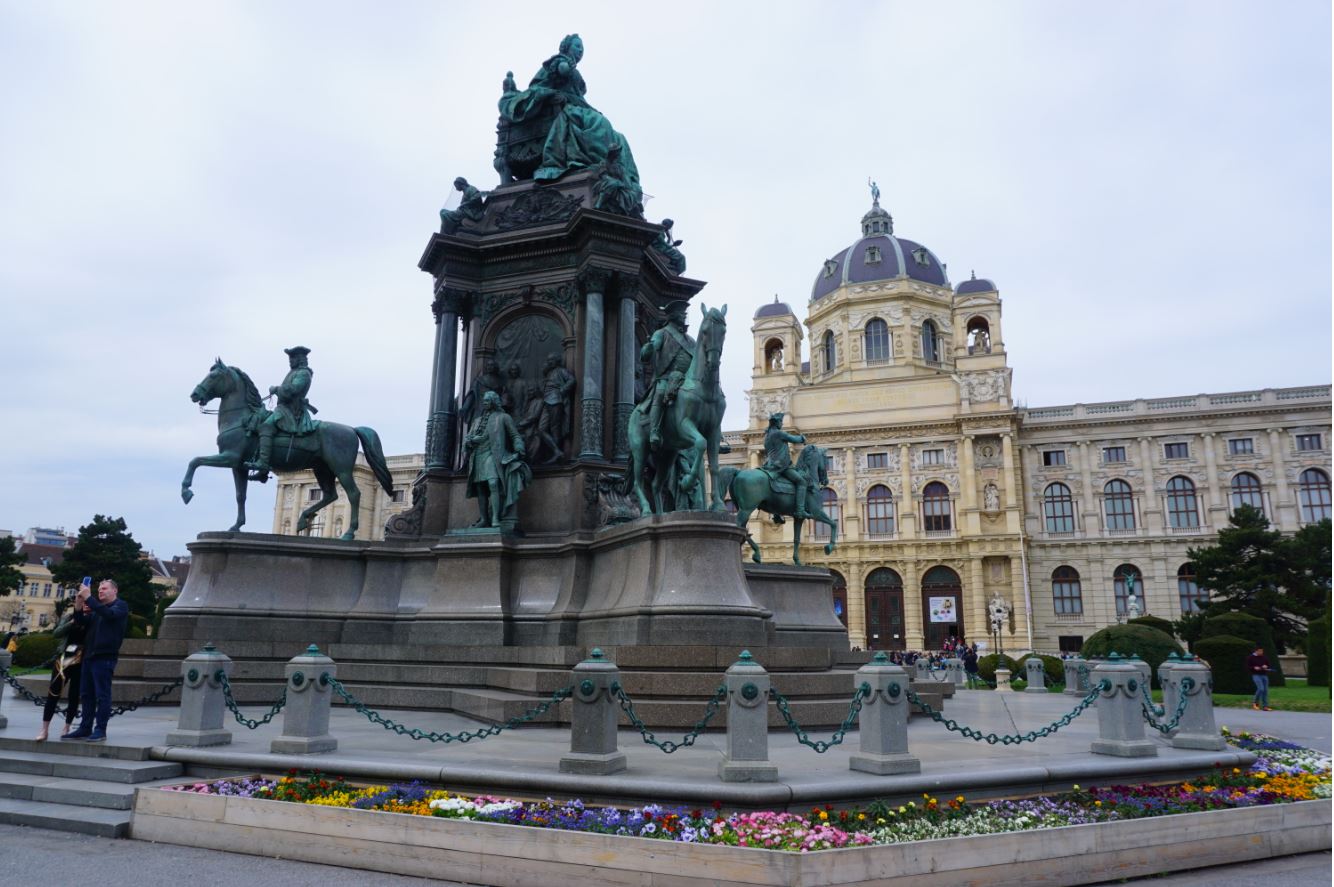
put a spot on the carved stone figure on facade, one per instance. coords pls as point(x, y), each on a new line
point(471, 209)
point(553, 424)
point(515, 398)
point(669, 352)
point(776, 359)
point(614, 191)
point(291, 415)
point(667, 247)
point(497, 472)
point(991, 498)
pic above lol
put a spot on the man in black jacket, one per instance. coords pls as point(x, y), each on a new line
point(106, 619)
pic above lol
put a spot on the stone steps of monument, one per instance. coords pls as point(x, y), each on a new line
point(64, 818)
point(79, 767)
point(74, 749)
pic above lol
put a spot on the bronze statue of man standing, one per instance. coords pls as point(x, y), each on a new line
point(778, 460)
point(292, 415)
point(553, 422)
point(497, 472)
point(670, 351)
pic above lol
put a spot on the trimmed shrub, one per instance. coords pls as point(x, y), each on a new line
point(987, 665)
point(1317, 652)
point(1149, 644)
point(1226, 656)
point(1158, 622)
point(1052, 667)
point(1253, 629)
point(34, 649)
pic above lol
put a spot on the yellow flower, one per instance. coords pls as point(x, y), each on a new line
point(823, 816)
point(1076, 787)
point(861, 817)
point(1097, 803)
point(959, 799)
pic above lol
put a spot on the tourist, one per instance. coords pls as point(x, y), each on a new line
point(65, 674)
point(970, 665)
point(105, 618)
point(1258, 665)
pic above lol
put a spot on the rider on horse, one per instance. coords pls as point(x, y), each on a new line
point(670, 352)
point(291, 415)
point(778, 460)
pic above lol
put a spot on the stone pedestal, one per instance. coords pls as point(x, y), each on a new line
point(593, 731)
point(1196, 729)
point(1120, 718)
point(1036, 675)
point(746, 753)
point(1003, 681)
point(802, 602)
point(203, 701)
point(306, 716)
point(883, 723)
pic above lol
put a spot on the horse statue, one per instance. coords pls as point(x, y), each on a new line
point(691, 429)
point(753, 488)
point(330, 451)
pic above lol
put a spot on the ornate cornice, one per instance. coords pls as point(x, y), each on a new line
point(451, 300)
point(594, 280)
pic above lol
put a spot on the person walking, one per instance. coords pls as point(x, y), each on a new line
point(1258, 665)
point(105, 619)
point(65, 675)
point(970, 666)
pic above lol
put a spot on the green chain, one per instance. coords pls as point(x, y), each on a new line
point(1014, 738)
point(667, 746)
point(236, 712)
point(147, 700)
point(820, 745)
point(413, 733)
point(1187, 684)
point(1148, 700)
point(33, 669)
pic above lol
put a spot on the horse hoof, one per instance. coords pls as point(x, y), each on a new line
point(187, 495)
point(755, 558)
point(348, 536)
point(234, 528)
point(829, 549)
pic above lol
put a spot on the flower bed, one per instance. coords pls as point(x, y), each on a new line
point(1284, 773)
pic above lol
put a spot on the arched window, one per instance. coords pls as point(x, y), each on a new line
point(1181, 510)
point(884, 610)
point(930, 342)
point(1121, 589)
point(840, 594)
point(316, 526)
point(1246, 491)
point(1190, 594)
point(979, 336)
point(1058, 507)
point(1118, 504)
point(830, 352)
point(936, 508)
point(877, 341)
point(879, 511)
point(1313, 495)
point(773, 356)
point(828, 502)
point(1067, 597)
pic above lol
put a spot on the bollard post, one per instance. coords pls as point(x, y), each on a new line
point(1036, 674)
point(593, 722)
point(1145, 670)
point(1076, 681)
point(1120, 718)
point(306, 715)
point(1196, 729)
point(883, 722)
point(1003, 681)
point(954, 670)
point(1170, 687)
point(6, 658)
point(746, 755)
point(203, 705)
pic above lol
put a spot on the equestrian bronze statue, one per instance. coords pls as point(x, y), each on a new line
point(767, 490)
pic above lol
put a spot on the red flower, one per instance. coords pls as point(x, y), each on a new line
point(717, 805)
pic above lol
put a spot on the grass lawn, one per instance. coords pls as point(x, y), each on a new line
point(1296, 696)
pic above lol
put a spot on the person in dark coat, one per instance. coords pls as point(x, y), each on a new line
point(1258, 665)
point(105, 619)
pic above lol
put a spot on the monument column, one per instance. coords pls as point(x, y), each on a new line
point(594, 282)
point(626, 360)
point(448, 306)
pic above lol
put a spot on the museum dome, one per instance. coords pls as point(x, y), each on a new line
point(774, 309)
point(975, 285)
point(879, 255)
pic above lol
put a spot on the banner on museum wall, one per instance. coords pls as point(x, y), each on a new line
point(942, 609)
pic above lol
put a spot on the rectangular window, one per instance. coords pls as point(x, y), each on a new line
point(1070, 643)
point(1242, 446)
point(398, 495)
point(1053, 457)
point(877, 460)
point(1176, 451)
point(1308, 441)
point(1113, 454)
point(933, 457)
point(313, 494)
point(46, 590)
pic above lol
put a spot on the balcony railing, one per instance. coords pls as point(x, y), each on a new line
point(1188, 531)
point(939, 534)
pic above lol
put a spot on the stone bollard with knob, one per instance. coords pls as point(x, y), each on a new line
point(306, 715)
point(1170, 687)
point(1145, 669)
point(955, 673)
point(746, 755)
point(1037, 676)
point(593, 723)
point(1076, 677)
point(203, 703)
point(883, 722)
point(1196, 729)
point(1003, 681)
point(6, 658)
point(1120, 716)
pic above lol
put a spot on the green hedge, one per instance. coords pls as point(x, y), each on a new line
point(34, 649)
point(1317, 653)
point(1226, 657)
point(1250, 628)
point(1149, 644)
point(1052, 667)
point(1158, 622)
point(987, 665)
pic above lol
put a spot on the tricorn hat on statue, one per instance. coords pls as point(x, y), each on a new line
point(676, 308)
point(298, 351)
point(775, 417)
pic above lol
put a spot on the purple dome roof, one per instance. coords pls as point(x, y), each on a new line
point(879, 257)
point(773, 309)
point(976, 285)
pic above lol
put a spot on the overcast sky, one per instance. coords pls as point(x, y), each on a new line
point(1148, 184)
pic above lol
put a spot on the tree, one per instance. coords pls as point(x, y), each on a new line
point(106, 550)
point(1254, 569)
point(1308, 577)
point(10, 578)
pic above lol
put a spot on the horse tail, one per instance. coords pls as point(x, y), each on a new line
point(726, 475)
point(370, 445)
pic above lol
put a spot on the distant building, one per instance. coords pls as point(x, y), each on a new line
point(45, 536)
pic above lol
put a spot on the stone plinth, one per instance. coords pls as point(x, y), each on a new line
point(802, 602)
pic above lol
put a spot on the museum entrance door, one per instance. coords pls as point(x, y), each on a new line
point(942, 605)
point(884, 610)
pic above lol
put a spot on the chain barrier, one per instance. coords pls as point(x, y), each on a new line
point(25, 692)
point(820, 745)
point(1012, 738)
point(667, 746)
point(1187, 684)
point(34, 669)
point(241, 719)
point(118, 710)
point(430, 736)
point(1148, 701)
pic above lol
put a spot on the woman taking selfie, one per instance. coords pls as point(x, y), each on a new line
point(69, 637)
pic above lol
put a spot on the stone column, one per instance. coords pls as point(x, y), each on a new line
point(914, 620)
point(6, 658)
point(593, 724)
point(975, 600)
point(594, 284)
point(883, 722)
point(746, 754)
point(967, 475)
point(1031, 508)
point(857, 633)
point(203, 703)
point(1153, 510)
point(1196, 729)
point(1120, 718)
point(1088, 513)
point(1284, 506)
point(906, 504)
point(1218, 503)
point(1014, 482)
point(306, 716)
point(627, 358)
point(449, 305)
point(1036, 675)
